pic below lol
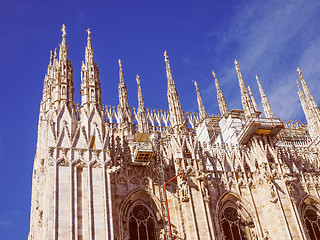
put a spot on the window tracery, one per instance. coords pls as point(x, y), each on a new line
point(235, 221)
point(141, 223)
point(311, 218)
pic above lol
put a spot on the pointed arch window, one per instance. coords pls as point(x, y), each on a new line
point(141, 223)
point(235, 221)
point(311, 218)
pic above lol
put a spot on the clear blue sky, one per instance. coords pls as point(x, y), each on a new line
point(268, 38)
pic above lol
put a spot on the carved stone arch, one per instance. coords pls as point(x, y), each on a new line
point(235, 218)
point(64, 92)
point(95, 164)
point(79, 163)
point(148, 200)
point(62, 162)
point(309, 209)
point(92, 95)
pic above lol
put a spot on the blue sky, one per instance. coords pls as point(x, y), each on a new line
point(269, 38)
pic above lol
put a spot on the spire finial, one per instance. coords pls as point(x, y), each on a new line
point(214, 74)
point(138, 79)
point(300, 73)
point(50, 57)
point(166, 55)
point(89, 33)
point(236, 63)
point(120, 63)
point(63, 30)
point(55, 53)
point(195, 83)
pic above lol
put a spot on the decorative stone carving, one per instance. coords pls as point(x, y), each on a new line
point(271, 188)
point(204, 185)
point(266, 235)
point(184, 187)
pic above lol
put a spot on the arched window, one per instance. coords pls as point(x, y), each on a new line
point(63, 91)
point(311, 218)
point(235, 221)
point(92, 94)
point(141, 223)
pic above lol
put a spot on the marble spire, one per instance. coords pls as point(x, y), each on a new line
point(247, 104)
point(90, 80)
point(177, 116)
point(221, 100)
point(309, 98)
point(62, 76)
point(123, 107)
point(265, 103)
point(306, 110)
point(141, 111)
point(202, 111)
point(311, 105)
point(253, 100)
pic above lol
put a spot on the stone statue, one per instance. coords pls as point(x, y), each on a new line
point(55, 53)
point(184, 188)
point(89, 32)
point(63, 29)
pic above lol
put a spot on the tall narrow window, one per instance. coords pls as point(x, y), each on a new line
point(141, 223)
point(312, 221)
point(236, 223)
point(232, 226)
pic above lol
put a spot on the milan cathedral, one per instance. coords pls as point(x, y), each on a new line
point(100, 171)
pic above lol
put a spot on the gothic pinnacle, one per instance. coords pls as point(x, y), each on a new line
point(305, 87)
point(168, 68)
point(311, 103)
point(55, 53)
point(140, 98)
point(63, 51)
point(64, 33)
point(177, 116)
point(265, 103)
point(121, 72)
point(249, 110)
point(123, 97)
point(89, 38)
point(252, 99)
point(202, 111)
point(89, 33)
point(141, 111)
point(309, 97)
point(89, 57)
point(50, 57)
point(306, 110)
point(221, 99)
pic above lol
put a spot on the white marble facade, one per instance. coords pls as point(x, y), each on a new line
point(99, 171)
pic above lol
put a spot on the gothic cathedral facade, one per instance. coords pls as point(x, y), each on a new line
point(121, 173)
